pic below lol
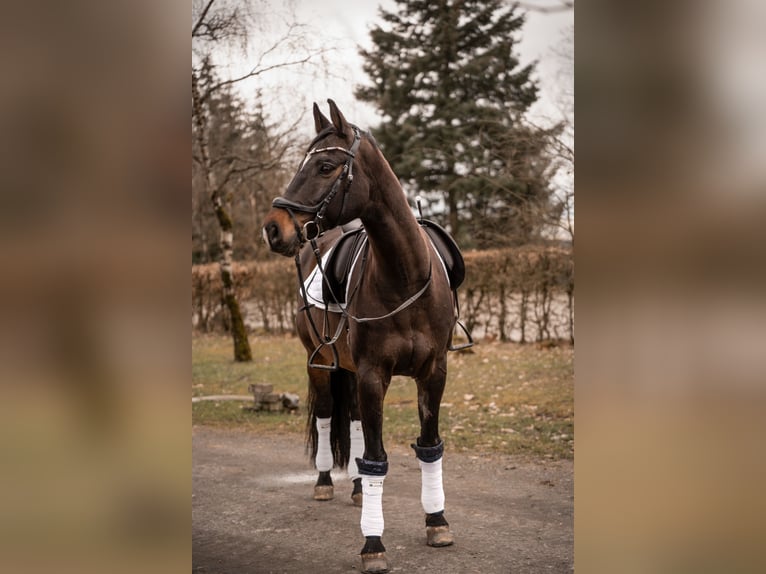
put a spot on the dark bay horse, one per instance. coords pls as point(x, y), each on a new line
point(398, 320)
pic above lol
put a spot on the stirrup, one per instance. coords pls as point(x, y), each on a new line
point(462, 346)
point(335, 362)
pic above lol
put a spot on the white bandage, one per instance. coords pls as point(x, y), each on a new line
point(372, 505)
point(324, 452)
point(357, 448)
point(432, 491)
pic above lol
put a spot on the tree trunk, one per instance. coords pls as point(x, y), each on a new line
point(523, 315)
point(570, 303)
point(454, 221)
point(242, 350)
point(503, 313)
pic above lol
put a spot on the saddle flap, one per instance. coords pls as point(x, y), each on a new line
point(447, 248)
point(339, 264)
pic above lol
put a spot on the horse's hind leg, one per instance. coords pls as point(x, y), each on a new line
point(320, 422)
point(335, 429)
point(429, 449)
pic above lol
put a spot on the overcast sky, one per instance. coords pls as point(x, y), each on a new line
point(345, 24)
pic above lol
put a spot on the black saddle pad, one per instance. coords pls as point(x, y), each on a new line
point(341, 258)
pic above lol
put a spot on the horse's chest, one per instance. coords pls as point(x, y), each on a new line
point(402, 350)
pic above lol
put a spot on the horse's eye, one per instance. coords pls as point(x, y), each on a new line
point(326, 167)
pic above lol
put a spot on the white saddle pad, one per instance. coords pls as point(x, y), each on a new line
point(313, 284)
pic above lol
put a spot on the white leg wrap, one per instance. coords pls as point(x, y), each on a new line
point(357, 448)
point(372, 505)
point(324, 453)
point(432, 491)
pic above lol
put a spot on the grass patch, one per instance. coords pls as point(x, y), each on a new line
point(501, 398)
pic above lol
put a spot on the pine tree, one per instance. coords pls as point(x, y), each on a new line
point(453, 96)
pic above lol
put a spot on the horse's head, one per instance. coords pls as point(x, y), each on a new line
point(327, 191)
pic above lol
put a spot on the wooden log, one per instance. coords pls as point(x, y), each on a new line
point(222, 398)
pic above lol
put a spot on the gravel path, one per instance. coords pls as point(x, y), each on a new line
point(252, 512)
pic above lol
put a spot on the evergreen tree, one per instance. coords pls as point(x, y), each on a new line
point(453, 96)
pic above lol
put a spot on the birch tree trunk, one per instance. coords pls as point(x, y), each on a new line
point(242, 350)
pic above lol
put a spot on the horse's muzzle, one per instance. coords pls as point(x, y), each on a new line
point(279, 233)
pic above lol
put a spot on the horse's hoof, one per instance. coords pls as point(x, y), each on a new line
point(439, 536)
point(324, 492)
point(356, 493)
point(374, 563)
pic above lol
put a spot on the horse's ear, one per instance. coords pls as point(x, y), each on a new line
point(320, 121)
point(338, 120)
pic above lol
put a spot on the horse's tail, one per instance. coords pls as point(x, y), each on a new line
point(343, 389)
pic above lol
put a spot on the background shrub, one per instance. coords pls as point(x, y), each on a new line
point(518, 294)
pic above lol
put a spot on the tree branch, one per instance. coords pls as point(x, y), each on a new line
point(249, 164)
point(201, 18)
point(264, 166)
point(257, 72)
point(561, 6)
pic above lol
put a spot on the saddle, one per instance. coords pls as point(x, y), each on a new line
point(448, 250)
point(338, 265)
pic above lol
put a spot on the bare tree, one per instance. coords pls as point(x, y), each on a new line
point(563, 145)
point(242, 350)
point(247, 153)
point(219, 25)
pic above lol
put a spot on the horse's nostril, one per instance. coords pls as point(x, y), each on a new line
point(270, 232)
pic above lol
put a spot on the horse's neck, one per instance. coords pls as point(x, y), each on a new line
point(397, 245)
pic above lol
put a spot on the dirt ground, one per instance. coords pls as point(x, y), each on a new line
point(252, 512)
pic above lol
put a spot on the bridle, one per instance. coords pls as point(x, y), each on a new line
point(315, 227)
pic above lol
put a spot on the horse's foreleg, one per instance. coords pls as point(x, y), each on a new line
point(429, 449)
point(372, 467)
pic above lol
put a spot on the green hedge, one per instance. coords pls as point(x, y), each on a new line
point(521, 294)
